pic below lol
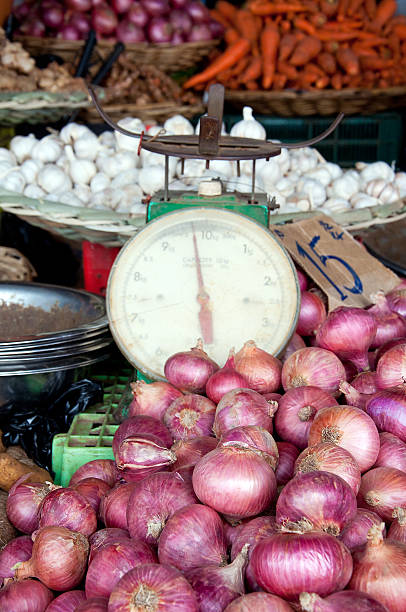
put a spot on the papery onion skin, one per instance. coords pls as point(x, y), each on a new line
point(162, 585)
point(337, 602)
point(261, 369)
point(112, 562)
point(189, 371)
point(354, 397)
point(348, 332)
point(190, 416)
point(94, 604)
point(67, 602)
point(25, 596)
point(313, 562)
point(138, 426)
point(397, 530)
point(331, 458)
point(152, 399)
point(295, 343)
point(380, 570)
point(226, 379)
point(355, 532)
point(312, 314)
point(260, 602)
point(58, 559)
point(138, 456)
point(385, 347)
point(18, 549)
point(104, 537)
point(92, 489)
point(392, 452)
point(105, 469)
point(396, 300)
point(235, 480)
point(193, 537)
point(313, 366)
point(153, 501)
point(242, 407)
point(189, 452)
point(113, 506)
point(288, 453)
point(24, 503)
point(387, 408)
point(382, 490)
point(390, 325)
point(67, 508)
point(296, 411)
point(350, 428)
point(365, 382)
point(316, 500)
point(391, 367)
point(257, 438)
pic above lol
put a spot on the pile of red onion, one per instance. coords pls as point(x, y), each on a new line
point(128, 21)
point(255, 485)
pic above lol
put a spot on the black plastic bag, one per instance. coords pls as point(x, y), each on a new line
point(33, 429)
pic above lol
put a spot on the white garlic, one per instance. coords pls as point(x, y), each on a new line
point(47, 150)
point(400, 182)
point(283, 161)
point(314, 190)
point(178, 185)
point(30, 169)
point(248, 127)
point(151, 179)
point(129, 143)
point(377, 170)
point(65, 197)
point(71, 131)
point(52, 179)
point(345, 186)
point(6, 167)
point(178, 125)
point(107, 198)
point(112, 166)
point(302, 160)
point(389, 194)
point(223, 167)
point(321, 174)
point(21, 146)
point(127, 177)
point(107, 139)
point(63, 162)
point(99, 182)
point(285, 186)
point(83, 193)
point(8, 156)
point(87, 147)
point(81, 170)
point(34, 191)
point(375, 187)
point(363, 200)
point(298, 202)
point(132, 195)
point(193, 169)
point(335, 205)
point(270, 173)
point(334, 169)
point(13, 181)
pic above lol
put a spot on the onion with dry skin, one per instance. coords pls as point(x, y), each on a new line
point(313, 366)
point(261, 369)
point(382, 490)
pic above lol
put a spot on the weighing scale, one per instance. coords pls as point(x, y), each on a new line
point(205, 265)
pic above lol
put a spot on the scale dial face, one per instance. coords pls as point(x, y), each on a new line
point(200, 273)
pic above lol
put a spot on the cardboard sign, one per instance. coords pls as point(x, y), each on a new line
point(339, 264)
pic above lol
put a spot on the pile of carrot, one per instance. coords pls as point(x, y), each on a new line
point(308, 45)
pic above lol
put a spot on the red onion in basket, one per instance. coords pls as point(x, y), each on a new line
point(390, 325)
point(112, 562)
point(224, 380)
point(392, 452)
point(261, 369)
point(313, 562)
point(121, 6)
point(235, 480)
point(104, 20)
point(69, 32)
point(113, 506)
point(128, 33)
point(94, 604)
point(254, 437)
point(296, 412)
point(138, 456)
point(365, 382)
point(25, 596)
point(24, 502)
point(397, 530)
point(396, 300)
point(105, 469)
point(355, 532)
point(190, 416)
point(193, 537)
point(18, 549)
point(79, 5)
point(33, 26)
point(295, 343)
point(350, 428)
point(139, 16)
point(138, 426)
point(160, 585)
point(180, 21)
point(288, 453)
point(152, 399)
point(67, 508)
point(153, 501)
point(104, 537)
point(80, 22)
point(312, 314)
point(52, 15)
point(382, 490)
point(391, 367)
point(156, 8)
point(260, 602)
point(92, 489)
point(58, 559)
point(189, 452)
point(242, 407)
point(337, 602)
point(313, 366)
point(67, 602)
point(190, 370)
point(198, 11)
point(387, 408)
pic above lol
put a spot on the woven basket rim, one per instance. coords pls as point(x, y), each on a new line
point(315, 95)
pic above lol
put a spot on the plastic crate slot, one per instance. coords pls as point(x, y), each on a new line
point(110, 430)
point(107, 441)
point(82, 441)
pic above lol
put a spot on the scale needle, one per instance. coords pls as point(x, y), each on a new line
point(203, 298)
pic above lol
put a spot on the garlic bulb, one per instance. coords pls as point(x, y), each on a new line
point(334, 169)
point(363, 200)
point(127, 177)
point(297, 203)
point(303, 160)
point(99, 182)
point(193, 169)
point(374, 188)
point(6, 167)
point(13, 181)
point(270, 173)
point(335, 205)
point(321, 174)
point(21, 146)
point(108, 198)
point(178, 125)
point(65, 197)
point(283, 160)
point(107, 139)
point(389, 194)
point(285, 186)
point(223, 167)
point(132, 196)
point(81, 170)
point(248, 127)
point(377, 170)
point(400, 182)
point(129, 143)
point(47, 150)
point(314, 190)
point(87, 147)
point(112, 166)
point(83, 193)
point(30, 169)
point(33, 191)
point(8, 156)
point(52, 179)
point(72, 131)
point(151, 179)
point(345, 186)
point(178, 185)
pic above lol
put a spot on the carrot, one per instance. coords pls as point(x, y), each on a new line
point(322, 82)
point(400, 31)
point(370, 7)
point(279, 81)
point(337, 81)
point(344, 25)
point(354, 6)
point(265, 9)
point(375, 63)
point(306, 49)
point(302, 24)
point(348, 61)
point(226, 9)
point(240, 66)
point(231, 36)
point(363, 50)
point(226, 60)
point(318, 19)
point(217, 16)
point(252, 85)
point(269, 43)
point(328, 35)
point(285, 26)
point(394, 46)
point(329, 7)
point(253, 71)
point(384, 11)
point(342, 9)
point(286, 68)
point(331, 46)
point(287, 44)
point(247, 25)
point(327, 62)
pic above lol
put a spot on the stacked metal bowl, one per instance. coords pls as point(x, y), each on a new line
point(39, 366)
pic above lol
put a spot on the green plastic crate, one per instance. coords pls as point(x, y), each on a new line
point(91, 434)
point(368, 138)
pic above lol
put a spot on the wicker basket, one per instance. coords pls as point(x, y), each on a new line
point(150, 112)
point(326, 102)
point(39, 106)
point(14, 266)
point(169, 58)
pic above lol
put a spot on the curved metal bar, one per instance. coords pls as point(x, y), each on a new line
point(312, 141)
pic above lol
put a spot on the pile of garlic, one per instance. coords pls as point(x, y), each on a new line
point(78, 168)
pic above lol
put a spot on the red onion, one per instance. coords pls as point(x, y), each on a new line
point(67, 508)
point(288, 454)
point(25, 596)
point(296, 412)
point(138, 426)
point(396, 300)
point(312, 561)
point(391, 367)
point(382, 490)
point(303, 279)
point(79, 5)
point(260, 602)
point(179, 4)
point(261, 369)
point(354, 397)
point(69, 32)
point(312, 314)
point(295, 343)
point(190, 370)
point(32, 26)
point(92, 489)
point(121, 6)
point(52, 15)
point(180, 20)
point(388, 410)
point(112, 562)
point(104, 537)
point(235, 480)
point(189, 452)
point(350, 370)
point(193, 537)
point(355, 532)
point(23, 9)
point(153, 501)
point(190, 416)
point(156, 8)
point(224, 380)
point(348, 332)
point(397, 530)
point(344, 600)
point(242, 407)
point(231, 532)
point(139, 16)
point(392, 452)
point(316, 500)
point(128, 32)
point(24, 502)
point(365, 382)
point(58, 559)
point(350, 428)
point(313, 366)
point(215, 587)
point(198, 11)
point(152, 399)
point(388, 345)
point(152, 586)
point(67, 602)
point(327, 457)
point(94, 604)
point(104, 469)
point(139, 456)
point(380, 570)
point(390, 325)
point(256, 438)
point(80, 22)
point(104, 20)
point(18, 549)
point(113, 506)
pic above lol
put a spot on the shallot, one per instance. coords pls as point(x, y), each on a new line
point(397, 530)
point(113, 506)
point(391, 367)
point(141, 425)
point(224, 380)
point(189, 452)
point(387, 408)
point(67, 508)
point(261, 369)
point(288, 453)
point(105, 537)
point(312, 314)
point(25, 596)
point(260, 602)
point(355, 532)
point(392, 452)
point(327, 457)
point(105, 469)
point(152, 399)
point(257, 438)
point(190, 370)
point(390, 325)
point(353, 600)
point(365, 382)
point(396, 300)
point(92, 489)
point(243, 407)
point(382, 490)
point(313, 366)
point(93, 604)
point(67, 602)
point(24, 503)
point(138, 456)
point(296, 342)
point(18, 549)
point(190, 416)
